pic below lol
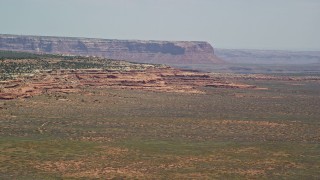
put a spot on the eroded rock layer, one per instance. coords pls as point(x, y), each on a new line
point(159, 52)
point(164, 79)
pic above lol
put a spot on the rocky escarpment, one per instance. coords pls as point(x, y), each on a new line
point(161, 52)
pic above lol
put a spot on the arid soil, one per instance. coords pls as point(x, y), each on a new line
point(67, 117)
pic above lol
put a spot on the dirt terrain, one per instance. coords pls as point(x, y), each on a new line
point(92, 118)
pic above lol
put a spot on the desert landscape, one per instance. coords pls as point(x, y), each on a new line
point(85, 117)
point(159, 89)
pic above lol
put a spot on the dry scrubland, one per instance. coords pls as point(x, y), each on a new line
point(269, 132)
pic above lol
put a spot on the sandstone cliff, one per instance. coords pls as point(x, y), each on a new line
point(160, 52)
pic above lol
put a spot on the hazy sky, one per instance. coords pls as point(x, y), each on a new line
point(255, 24)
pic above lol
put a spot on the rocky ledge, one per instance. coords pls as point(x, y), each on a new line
point(164, 79)
point(158, 52)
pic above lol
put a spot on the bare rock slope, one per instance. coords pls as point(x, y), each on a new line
point(159, 52)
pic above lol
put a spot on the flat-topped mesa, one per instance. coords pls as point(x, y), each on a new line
point(159, 52)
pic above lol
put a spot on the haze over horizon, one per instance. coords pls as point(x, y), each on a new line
point(233, 24)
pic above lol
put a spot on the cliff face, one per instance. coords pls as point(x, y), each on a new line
point(161, 52)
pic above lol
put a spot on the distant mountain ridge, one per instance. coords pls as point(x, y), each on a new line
point(158, 52)
point(249, 56)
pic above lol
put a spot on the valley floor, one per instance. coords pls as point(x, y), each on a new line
point(267, 133)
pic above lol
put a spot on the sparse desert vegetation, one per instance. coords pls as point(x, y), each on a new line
point(269, 130)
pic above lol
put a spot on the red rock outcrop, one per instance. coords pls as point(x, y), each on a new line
point(152, 79)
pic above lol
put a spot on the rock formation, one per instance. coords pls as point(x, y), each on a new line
point(163, 79)
point(158, 52)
